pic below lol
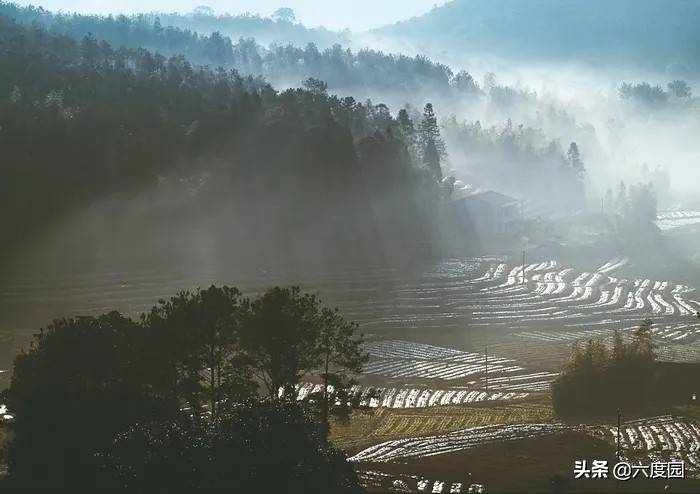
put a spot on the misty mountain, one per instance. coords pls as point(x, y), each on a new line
point(654, 34)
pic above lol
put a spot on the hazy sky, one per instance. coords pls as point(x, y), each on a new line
point(354, 14)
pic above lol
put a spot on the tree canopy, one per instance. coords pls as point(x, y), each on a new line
point(252, 446)
point(82, 381)
point(602, 378)
point(204, 379)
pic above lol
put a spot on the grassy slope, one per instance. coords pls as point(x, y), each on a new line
point(371, 427)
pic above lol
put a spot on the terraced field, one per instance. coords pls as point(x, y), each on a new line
point(527, 315)
point(669, 220)
point(546, 292)
point(664, 438)
point(483, 291)
point(531, 311)
point(419, 447)
point(373, 397)
point(427, 382)
point(396, 359)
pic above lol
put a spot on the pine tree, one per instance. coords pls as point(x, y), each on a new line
point(406, 125)
point(430, 130)
point(431, 144)
point(408, 134)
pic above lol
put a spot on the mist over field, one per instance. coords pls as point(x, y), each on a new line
point(496, 107)
point(362, 248)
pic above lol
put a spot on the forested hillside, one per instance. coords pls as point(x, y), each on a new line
point(300, 173)
point(280, 27)
point(231, 42)
point(651, 34)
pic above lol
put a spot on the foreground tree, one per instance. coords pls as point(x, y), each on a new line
point(200, 332)
point(341, 356)
point(289, 335)
point(82, 381)
point(257, 446)
point(182, 386)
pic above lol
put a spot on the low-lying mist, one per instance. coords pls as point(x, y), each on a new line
point(619, 135)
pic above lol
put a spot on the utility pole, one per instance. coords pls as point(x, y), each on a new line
point(325, 386)
point(486, 356)
point(619, 419)
point(523, 282)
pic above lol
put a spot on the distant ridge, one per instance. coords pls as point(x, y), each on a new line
point(658, 34)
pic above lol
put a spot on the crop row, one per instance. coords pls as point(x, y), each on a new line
point(406, 359)
point(660, 438)
point(408, 483)
point(455, 441)
point(406, 397)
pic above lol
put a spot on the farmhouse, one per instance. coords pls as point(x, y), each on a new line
point(491, 212)
point(489, 216)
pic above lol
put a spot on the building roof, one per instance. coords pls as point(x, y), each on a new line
point(492, 198)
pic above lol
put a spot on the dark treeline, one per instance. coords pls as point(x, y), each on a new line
point(599, 381)
point(301, 171)
point(281, 26)
point(365, 72)
point(198, 394)
point(678, 94)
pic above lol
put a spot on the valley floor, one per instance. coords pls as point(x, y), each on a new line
point(463, 354)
